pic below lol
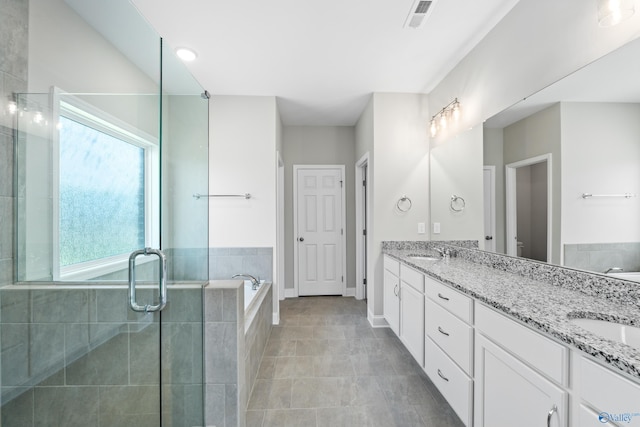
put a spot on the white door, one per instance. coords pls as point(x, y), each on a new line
point(489, 208)
point(319, 200)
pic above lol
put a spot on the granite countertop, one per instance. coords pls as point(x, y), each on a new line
point(544, 307)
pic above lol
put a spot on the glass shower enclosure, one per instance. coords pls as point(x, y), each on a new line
point(110, 144)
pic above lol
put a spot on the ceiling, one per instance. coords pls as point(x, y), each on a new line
point(322, 59)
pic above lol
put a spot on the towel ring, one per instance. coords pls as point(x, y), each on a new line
point(403, 201)
point(457, 203)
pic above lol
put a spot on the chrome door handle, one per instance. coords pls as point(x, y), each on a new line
point(394, 290)
point(442, 376)
point(162, 281)
point(553, 409)
point(488, 237)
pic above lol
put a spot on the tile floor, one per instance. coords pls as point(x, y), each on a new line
point(324, 365)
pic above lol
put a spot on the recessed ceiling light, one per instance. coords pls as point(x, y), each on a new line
point(186, 54)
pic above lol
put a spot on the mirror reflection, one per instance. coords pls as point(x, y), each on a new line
point(565, 164)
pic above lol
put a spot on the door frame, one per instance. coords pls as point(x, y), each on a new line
point(343, 213)
point(511, 201)
point(362, 212)
point(492, 205)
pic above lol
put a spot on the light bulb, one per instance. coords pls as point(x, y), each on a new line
point(456, 111)
point(613, 12)
point(433, 128)
point(443, 120)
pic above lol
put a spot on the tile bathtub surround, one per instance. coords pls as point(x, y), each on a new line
point(225, 262)
point(602, 256)
point(256, 336)
point(326, 366)
point(543, 302)
point(224, 349)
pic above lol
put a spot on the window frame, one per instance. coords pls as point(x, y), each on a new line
point(78, 110)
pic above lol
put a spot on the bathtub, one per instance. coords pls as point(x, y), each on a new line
point(250, 294)
point(630, 275)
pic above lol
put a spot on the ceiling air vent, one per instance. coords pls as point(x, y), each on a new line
point(418, 14)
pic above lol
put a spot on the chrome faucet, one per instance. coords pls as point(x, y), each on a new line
point(609, 270)
point(444, 252)
point(254, 282)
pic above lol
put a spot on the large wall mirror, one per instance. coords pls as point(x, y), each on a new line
point(561, 171)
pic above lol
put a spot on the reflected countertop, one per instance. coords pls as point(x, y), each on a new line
point(544, 307)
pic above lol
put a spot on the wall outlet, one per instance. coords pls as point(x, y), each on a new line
point(436, 228)
point(421, 228)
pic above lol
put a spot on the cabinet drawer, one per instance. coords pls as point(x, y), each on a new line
point(412, 277)
point(452, 382)
point(588, 418)
point(450, 333)
point(457, 303)
point(392, 265)
point(607, 391)
point(538, 351)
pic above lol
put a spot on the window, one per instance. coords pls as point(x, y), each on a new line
point(105, 192)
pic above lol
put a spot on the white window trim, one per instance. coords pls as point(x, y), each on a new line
point(81, 111)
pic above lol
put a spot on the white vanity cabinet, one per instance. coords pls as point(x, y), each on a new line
point(520, 376)
point(391, 293)
point(604, 397)
point(449, 346)
point(412, 312)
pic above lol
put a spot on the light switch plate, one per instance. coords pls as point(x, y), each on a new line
point(436, 228)
point(421, 228)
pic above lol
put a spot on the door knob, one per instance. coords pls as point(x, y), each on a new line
point(301, 239)
point(488, 237)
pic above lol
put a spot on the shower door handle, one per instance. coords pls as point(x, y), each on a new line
point(162, 281)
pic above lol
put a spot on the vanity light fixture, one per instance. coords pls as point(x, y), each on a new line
point(440, 120)
point(613, 12)
point(186, 54)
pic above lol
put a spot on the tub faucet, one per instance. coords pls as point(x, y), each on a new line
point(254, 282)
point(614, 269)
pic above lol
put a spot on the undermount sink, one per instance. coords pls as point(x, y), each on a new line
point(625, 334)
point(424, 257)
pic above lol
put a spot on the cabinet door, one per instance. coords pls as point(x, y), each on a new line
point(391, 301)
point(412, 321)
point(509, 393)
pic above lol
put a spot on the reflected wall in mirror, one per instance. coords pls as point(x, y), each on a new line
point(585, 130)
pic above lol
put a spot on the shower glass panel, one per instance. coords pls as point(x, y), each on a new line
point(107, 156)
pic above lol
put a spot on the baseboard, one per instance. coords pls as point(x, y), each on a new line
point(351, 292)
point(276, 319)
point(290, 293)
point(376, 321)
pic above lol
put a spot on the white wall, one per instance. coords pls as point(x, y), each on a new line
point(456, 169)
point(242, 159)
point(600, 152)
point(399, 166)
point(537, 43)
point(319, 145)
point(533, 136)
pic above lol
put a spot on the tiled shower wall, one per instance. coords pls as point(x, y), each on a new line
point(602, 256)
point(77, 356)
point(14, 28)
